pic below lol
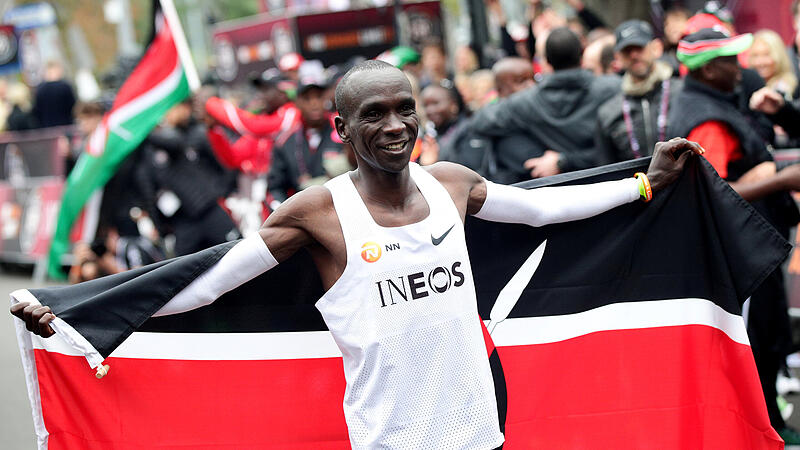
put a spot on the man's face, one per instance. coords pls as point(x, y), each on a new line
point(271, 98)
point(514, 79)
point(439, 106)
point(673, 27)
point(723, 73)
point(637, 60)
point(311, 104)
point(383, 124)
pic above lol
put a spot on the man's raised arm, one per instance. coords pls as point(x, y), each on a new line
point(537, 207)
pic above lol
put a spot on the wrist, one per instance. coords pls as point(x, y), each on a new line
point(645, 189)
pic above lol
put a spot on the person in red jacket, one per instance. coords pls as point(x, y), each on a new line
point(251, 153)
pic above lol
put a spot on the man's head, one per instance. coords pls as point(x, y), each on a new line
point(311, 95)
point(674, 22)
point(441, 105)
point(599, 56)
point(270, 96)
point(377, 115)
point(179, 115)
point(563, 49)
point(512, 75)
point(434, 59)
point(88, 115)
point(636, 48)
point(710, 56)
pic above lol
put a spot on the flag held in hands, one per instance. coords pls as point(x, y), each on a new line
point(156, 84)
point(627, 333)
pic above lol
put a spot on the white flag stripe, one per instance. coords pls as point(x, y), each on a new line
point(620, 316)
point(512, 331)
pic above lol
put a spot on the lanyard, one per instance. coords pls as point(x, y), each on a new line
point(661, 121)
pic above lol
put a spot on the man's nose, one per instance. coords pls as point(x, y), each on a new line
point(393, 124)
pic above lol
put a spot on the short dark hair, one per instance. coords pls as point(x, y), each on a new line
point(341, 97)
point(606, 57)
point(563, 49)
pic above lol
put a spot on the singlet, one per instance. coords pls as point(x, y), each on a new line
point(405, 317)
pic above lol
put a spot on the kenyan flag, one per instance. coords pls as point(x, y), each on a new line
point(156, 84)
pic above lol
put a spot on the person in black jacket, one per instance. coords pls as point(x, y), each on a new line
point(54, 99)
point(182, 182)
point(708, 110)
point(313, 153)
point(454, 139)
point(559, 114)
point(630, 123)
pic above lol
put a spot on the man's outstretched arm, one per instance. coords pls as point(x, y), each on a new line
point(543, 206)
point(279, 238)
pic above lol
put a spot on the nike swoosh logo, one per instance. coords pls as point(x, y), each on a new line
point(437, 241)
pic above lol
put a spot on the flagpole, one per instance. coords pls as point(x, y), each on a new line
point(171, 15)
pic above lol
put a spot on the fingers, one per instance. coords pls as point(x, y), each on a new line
point(37, 318)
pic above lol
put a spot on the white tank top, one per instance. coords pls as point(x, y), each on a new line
point(405, 318)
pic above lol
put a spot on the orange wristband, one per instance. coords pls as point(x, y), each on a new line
point(645, 191)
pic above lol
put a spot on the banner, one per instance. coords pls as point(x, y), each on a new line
point(628, 335)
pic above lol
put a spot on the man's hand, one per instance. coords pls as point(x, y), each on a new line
point(37, 318)
point(543, 166)
point(766, 100)
point(668, 161)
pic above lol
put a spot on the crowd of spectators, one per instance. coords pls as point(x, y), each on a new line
point(565, 93)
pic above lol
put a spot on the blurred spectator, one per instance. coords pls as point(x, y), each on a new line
point(707, 111)
point(111, 253)
point(598, 57)
point(675, 19)
point(20, 117)
point(465, 61)
point(434, 62)
point(181, 182)
point(88, 116)
point(482, 89)
point(794, 46)
point(512, 75)
point(5, 106)
point(278, 118)
point(55, 98)
point(630, 124)
point(289, 65)
point(769, 58)
point(453, 140)
point(313, 152)
point(559, 114)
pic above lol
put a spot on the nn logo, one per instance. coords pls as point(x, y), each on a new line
point(371, 251)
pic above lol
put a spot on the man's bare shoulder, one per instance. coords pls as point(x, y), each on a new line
point(309, 206)
point(448, 172)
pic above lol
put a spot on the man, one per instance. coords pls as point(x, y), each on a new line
point(278, 118)
point(454, 140)
point(417, 371)
point(512, 75)
point(630, 123)
point(598, 57)
point(54, 99)
point(559, 113)
point(311, 153)
point(707, 111)
point(181, 182)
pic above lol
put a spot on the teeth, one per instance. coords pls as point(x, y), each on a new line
point(396, 146)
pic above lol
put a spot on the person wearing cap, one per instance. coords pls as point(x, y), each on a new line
point(708, 112)
point(630, 123)
point(278, 117)
point(312, 153)
point(559, 114)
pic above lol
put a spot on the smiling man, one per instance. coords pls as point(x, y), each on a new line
point(388, 241)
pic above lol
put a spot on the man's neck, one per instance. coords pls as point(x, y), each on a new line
point(382, 187)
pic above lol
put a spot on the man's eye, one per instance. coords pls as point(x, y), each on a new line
point(372, 115)
point(408, 110)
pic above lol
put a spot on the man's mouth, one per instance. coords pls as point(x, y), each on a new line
point(396, 146)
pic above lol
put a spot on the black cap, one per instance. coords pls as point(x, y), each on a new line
point(311, 74)
point(633, 32)
point(268, 78)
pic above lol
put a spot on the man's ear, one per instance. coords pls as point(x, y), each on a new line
point(338, 122)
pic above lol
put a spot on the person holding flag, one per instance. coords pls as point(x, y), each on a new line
point(164, 77)
point(405, 319)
